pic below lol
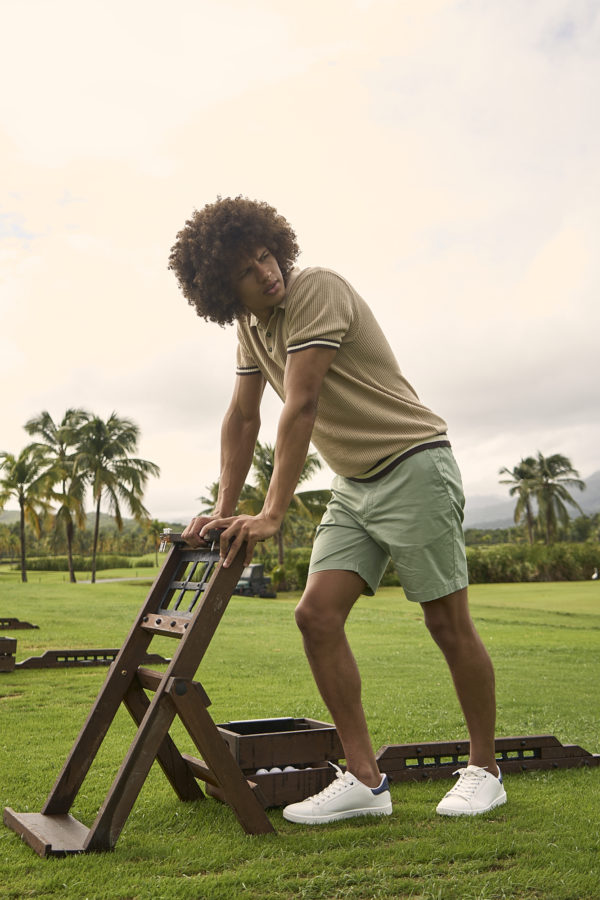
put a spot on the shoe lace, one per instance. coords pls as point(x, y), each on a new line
point(468, 782)
point(341, 781)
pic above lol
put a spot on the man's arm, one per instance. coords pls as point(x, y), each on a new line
point(304, 376)
point(239, 432)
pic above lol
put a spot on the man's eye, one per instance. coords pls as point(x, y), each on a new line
point(265, 255)
point(244, 273)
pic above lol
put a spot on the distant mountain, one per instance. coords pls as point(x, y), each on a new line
point(489, 512)
point(496, 512)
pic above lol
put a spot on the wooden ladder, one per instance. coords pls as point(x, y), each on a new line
point(186, 602)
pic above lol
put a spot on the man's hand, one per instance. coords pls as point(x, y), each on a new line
point(240, 529)
point(192, 536)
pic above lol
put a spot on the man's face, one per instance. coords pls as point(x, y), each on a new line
point(258, 283)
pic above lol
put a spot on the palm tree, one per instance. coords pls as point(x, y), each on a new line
point(252, 497)
point(523, 483)
point(209, 501)
point(104, 457)
point(25, 477)
point(553, 474)
point(59, 448)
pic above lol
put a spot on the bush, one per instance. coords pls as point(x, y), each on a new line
point(279, 578)
point(80, 563)
point(537, 562)
point(390, 576)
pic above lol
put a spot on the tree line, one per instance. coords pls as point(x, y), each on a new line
point(82, 453)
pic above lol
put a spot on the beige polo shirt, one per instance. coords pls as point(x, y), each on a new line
point(367, 410)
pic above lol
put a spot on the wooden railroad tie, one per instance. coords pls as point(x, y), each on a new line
point(62, 659)
point(13, 624)
point(439, 759)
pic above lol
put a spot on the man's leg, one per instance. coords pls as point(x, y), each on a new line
point(321, 616)
point(450, 624)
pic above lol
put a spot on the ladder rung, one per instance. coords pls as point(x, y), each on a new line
point(150, 680)
point(165, 623)
point(201, 770)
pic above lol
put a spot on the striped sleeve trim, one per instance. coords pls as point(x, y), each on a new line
point(247, 370)
point(314, 342)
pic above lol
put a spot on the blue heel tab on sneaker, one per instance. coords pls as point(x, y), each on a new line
point(384, 786)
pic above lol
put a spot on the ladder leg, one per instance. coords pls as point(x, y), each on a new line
point(89, 740)
point(205, 734)
point(130, 778)
point(169, 758)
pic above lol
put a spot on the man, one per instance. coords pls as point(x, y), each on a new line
point(397, 492)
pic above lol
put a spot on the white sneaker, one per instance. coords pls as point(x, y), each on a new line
point(476, 791)
point(344, 798)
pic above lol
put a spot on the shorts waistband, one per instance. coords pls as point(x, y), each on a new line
point(398, 459)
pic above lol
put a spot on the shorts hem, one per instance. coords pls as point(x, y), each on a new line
point(435, 593)
point(368, 591)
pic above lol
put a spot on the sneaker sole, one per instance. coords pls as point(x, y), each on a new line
point(473, 812)
point(300, 819)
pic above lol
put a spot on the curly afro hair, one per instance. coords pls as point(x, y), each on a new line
point(211, 243)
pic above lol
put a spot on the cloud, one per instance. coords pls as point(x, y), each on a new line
point(441, 155)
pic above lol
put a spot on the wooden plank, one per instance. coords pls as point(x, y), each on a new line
point(303, 746)
point(151, 680)
point(453, 748)
point(168, 756)
point(166, 624)
point(201, 770)
point(132, 774)
point(10, 623)
point(562, 751)
point(59, 659)
point(209, 742)
point(47, 835)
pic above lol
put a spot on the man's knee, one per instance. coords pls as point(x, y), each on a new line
point(315, 619)
point(449, 620)
point(326, 602)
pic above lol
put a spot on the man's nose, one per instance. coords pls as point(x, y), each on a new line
point(263, 271)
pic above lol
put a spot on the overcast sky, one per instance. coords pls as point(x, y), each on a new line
point(442, 155)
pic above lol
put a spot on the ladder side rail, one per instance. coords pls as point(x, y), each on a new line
point(220, 762)
point(159, 716)
point(169, 758)
point(132, 774)
point(119, 677)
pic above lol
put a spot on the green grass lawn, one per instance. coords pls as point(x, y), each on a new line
point(544, 843)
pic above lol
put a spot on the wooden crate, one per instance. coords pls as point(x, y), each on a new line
point(8, 648)
point(307, 744)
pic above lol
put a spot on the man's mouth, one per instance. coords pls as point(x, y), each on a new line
point(271, 288)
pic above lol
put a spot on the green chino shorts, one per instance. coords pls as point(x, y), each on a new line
point(412, 515)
